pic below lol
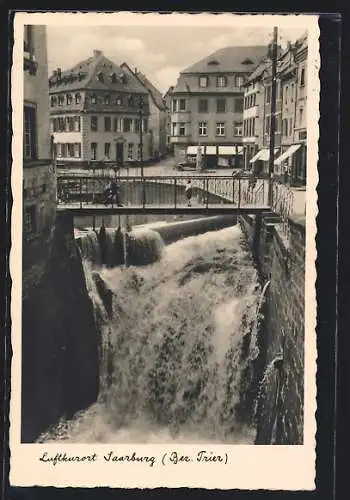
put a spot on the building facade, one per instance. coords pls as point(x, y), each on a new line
point(157, 114)
point(167, 99)
point(96, 111)
point(207, 107)
point(290, 116)
point(39, 176)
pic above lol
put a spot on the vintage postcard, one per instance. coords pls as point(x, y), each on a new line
point(163, 250)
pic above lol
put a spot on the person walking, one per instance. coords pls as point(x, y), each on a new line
point(189, 192)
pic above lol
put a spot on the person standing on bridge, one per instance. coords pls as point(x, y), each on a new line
point(113, 192)
point(189, 192)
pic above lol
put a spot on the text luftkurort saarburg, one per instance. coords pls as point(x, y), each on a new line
point(168, 458)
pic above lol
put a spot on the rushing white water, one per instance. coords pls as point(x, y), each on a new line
point(173, 366)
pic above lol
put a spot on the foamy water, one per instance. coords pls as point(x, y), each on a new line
point(172, 363)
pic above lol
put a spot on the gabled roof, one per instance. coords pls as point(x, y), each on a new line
point(144, 81)
point(84, 75)
point(230, 59)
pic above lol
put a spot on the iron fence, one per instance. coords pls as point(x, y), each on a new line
point(160, 190)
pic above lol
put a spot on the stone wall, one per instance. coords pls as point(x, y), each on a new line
point(280, 257)
point(60, 339)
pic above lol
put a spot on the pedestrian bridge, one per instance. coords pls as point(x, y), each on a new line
point(84, 195)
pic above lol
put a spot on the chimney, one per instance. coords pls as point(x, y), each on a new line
point(135, 71)
point(97, 53)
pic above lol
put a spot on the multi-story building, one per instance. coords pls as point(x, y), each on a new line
point(97, 110)
point(157, 114)
point(290, 115)
point(167, 100)
point(39, 177)
point(207, 106)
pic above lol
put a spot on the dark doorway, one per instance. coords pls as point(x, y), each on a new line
point(211, 161)
point(120, 153)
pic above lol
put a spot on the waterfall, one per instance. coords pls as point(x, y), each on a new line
point(172, 336)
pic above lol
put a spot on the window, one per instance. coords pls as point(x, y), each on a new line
point(53, 100)
point(237, 129)
point(61, 100)
point(108, 124)
point(174, 105)
point(267, 125)
point(52, 125)
point(93, 150)
point(61, 124)
point(292, 93)
point(278, 124)
point(145, 125)
point(77, 124)
point(70, 150)
point(93, 99)
point(107, 150)
point(182, 129)
point(127, 124)
point(29, 220)
point(173, 129)
point(182, 104)
point(290, 126)
point(268, 94)
point(203, 81)
point(58, 149)
point(107, 99)
point(301, 116)
point(69, 123)
point(77, 98)
point(69, 99)
point(138, 152)
point(77, 150)
point(285, 127)
point(203, 106)
point(302, 77)
point(220, 128)
point(203, 128)
point(239, 81)
point(137, 126)
point(29, 133)
point(118, 100)
point(286, 95)
point(221, 81)
point(130, 151)
point(117, 125)
point(238, 105)
point(94, 123)
point(220, 105)
point(27, 39)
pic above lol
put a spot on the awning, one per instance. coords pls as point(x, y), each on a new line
point(263, 155)
point(227, 150)
point(210, 150)
point(284, 156)
point(193, 150)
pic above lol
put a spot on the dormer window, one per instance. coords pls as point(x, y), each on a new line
point(107, 99)
point(247, 61)
point(203, 81)
point(93, 99)
point(213, 62)
point(100, 76)
point(221, 81)
point(113, 77)
point(122, 78)
point(130, 100)
point(118, 100)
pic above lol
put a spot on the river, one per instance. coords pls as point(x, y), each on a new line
point(178, 339)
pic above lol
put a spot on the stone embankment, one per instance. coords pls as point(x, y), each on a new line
point(279, 251)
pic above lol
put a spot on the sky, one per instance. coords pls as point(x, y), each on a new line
point(160, 52)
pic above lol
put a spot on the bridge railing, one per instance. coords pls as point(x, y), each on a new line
point(162, 191)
